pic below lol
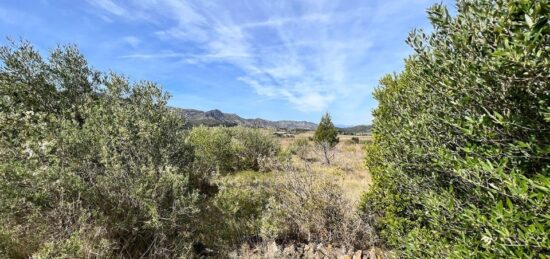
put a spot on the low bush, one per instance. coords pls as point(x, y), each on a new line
point(301, 148)
point(225, 150)
point(310, 207)
point(213, 153)
point(234, 215)
point(90, 165)
point(354, 140)
point(250, 145)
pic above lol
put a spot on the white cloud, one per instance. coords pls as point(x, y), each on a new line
point(302, 52)
point(165, 54)
point(109, 6)
point(132, 41)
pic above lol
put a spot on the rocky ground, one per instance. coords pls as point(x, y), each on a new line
point(311, 250)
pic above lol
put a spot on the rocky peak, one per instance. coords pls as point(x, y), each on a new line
point(216, 114)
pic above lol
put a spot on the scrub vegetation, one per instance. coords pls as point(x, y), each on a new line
point(93, 165)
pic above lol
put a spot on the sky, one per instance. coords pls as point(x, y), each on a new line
point(271, 59)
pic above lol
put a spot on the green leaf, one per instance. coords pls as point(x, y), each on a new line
point(529, 20)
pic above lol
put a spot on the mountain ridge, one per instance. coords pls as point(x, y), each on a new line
point(216, 117)
point(194, 117)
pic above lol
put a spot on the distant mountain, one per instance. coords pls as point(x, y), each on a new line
point(218, 118)
point(355, 130)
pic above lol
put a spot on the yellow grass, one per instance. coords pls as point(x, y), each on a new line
point(347, 164)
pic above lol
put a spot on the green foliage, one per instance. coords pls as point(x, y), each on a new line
point(326, 133)
point(231, 149)
point(90, 165)
point(301, 148)
point(326, 137)
point(213, 147)
point(461, 143)
point(251, 145)
point(235, 213)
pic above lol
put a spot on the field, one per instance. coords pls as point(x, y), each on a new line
point(347, 165)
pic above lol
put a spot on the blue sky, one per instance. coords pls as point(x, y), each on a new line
point(269, 59)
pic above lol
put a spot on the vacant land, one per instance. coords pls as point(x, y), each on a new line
point(347, 165)
point(295, 198)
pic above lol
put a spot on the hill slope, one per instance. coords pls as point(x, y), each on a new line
point(218, 118)
point(359, 129)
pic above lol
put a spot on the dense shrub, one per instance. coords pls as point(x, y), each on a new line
point(460, 156)
point(250, 145)
point(90, 165)
point(213, 148)
point(234, 215)
point(292, 206)
point(232, 149)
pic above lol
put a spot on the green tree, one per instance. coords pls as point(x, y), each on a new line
point(326, 137)
point(461, 140)
point(90, 165)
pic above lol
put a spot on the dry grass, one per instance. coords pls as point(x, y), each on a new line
point(297, 198)
point(347, 165)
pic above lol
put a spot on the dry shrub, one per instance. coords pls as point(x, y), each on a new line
point(311, 207)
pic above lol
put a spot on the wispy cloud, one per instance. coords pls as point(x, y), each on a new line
point(301, 57)
point(281, 59)
point(132, 41)
point(311, 53)
point(110, 6)
point(161, 55)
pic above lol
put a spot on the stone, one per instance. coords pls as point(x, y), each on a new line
point(373, 253)
point(309, 251)
point(273, 250)
point(357, 254)
point(323, 252)
point(289, 250)
point(299, 249)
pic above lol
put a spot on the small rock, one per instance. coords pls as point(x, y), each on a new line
point(319, 246)
point(357, 254)
point(289, 250)
point(309, 251)
point(272, 250)
point(372, 253)
point(323, 252)
point(299, 249)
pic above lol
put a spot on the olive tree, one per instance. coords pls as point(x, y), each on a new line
point(461, 138)
point(90, 165)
